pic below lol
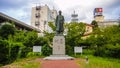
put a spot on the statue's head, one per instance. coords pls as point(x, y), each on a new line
point(60, 12)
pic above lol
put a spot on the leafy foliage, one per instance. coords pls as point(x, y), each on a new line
point(69, 50)
point(46, 50)
point(106, 42)
point(15, 44)
point(40, 41)
point(53, 27)
point(31, 54)
point(74, 33)
point(3, 51)
point(30, 38)
point(95, 24)
point(7, 30)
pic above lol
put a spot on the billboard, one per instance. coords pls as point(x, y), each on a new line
point(98, 11)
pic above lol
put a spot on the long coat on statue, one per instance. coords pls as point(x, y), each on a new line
point(59, 24)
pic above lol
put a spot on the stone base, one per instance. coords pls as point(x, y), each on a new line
point(58, 45)
point(59, 57)
point(58, 50)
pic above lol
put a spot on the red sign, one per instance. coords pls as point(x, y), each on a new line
point(98, 10)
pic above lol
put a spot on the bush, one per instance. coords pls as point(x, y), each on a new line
point(9, 51)
point(14, 53)
point(7, 30)
point(3, 52)
point(100, 52)
point(108, 50)
point(31, 54)
point(40, 41)
point(88, 52)
point(46, 50)
point(69, 50)
point(25, 51)
point(16, 50)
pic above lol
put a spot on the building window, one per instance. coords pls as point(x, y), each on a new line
point(52, 12)
point(41, 11)
point(87, 30)
point(38, 7)
point(37, 23)
point(37, 15)
point(45, 22)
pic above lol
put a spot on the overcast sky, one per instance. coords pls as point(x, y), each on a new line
point(21, 9)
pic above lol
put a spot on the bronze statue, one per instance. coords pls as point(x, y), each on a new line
point(59, 23)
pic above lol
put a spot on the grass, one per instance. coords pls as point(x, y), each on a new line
point(98, 62)
point(24, 63)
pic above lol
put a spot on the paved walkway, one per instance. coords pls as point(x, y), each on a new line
point(59, 64)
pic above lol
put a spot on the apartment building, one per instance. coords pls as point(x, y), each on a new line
point(41, 16)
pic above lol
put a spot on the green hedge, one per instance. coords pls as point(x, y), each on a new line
point(108, 50)
point(46, 50)
point(3, 52)
point(69, 50)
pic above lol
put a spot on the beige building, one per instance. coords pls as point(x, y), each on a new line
point(88, 31)
point(105, 23)
point(40, 17)
point(98, 17)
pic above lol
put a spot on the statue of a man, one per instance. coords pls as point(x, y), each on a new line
point(59, 24)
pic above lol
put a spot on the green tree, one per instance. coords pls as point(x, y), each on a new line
point(41, 41)
point(46, 50)
point(30, 38)
point(14, 49)
point(3, 51)
point(95, 24)
point(74, 33)
point(7, 30)
point(50, 35)
point(53, 27)
point(112, 34)
point(108, 42)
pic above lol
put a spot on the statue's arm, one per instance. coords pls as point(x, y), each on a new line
point(56, 21)
point(63, 19)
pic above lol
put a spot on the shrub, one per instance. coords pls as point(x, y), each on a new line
point(108, 50)
point(88, 51)
point(69, 50)
point(46, 50)
point(31, 54)
point(7, 30)
point(3, 52)
point(25, 51)
point(40, 41)
point(100, 52)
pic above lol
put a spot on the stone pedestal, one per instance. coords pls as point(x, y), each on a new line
point(58, 49)
point(58, 45)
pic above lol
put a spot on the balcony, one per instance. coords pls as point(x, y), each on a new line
point(38, 7)
point(37, 15)
point(37, 23)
